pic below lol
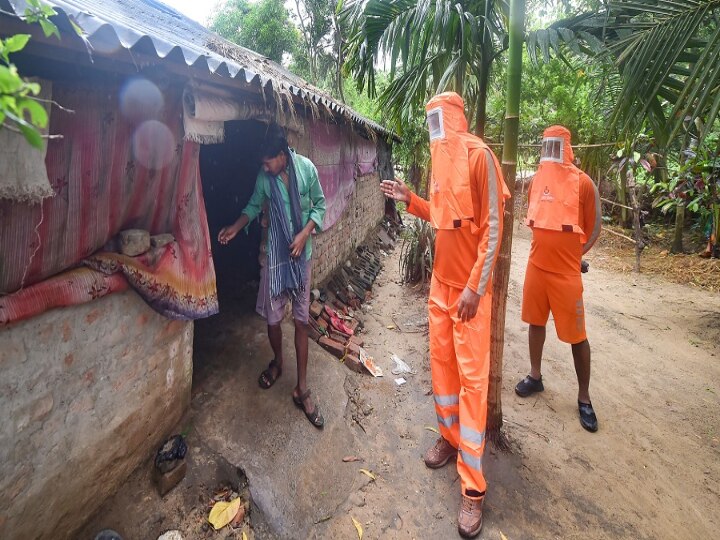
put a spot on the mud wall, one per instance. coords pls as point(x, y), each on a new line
point(86, 393)
point(364, 211)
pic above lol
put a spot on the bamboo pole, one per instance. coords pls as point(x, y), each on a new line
point(502, 268)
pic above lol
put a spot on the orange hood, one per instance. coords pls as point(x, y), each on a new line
point(555, 194)
point(556, 146)
point(450, 196)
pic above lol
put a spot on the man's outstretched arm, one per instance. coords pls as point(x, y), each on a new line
point(400, 192)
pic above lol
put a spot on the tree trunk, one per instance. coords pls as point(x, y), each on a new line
point(339, 60)
point(632, 189)
point(677, 244)
point(622, 196)
point(481, 110)
point(502, 268)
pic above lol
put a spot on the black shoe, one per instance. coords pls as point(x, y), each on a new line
point(588, 420)
point(529, 386)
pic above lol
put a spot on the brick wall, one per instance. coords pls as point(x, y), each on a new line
point(364, 211)
point(87, 393)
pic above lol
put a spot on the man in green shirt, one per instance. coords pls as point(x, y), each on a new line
point(289, 183)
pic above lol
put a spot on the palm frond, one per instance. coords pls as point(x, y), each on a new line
point(664, 50)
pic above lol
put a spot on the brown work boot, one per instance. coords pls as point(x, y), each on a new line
point(470, 516)
point(440, 454)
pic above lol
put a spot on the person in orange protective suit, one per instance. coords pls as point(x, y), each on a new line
point(564, 214)
point(467, 201)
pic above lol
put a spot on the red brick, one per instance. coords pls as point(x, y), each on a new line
point(323, 324)
point(352, 348)
point(338, 336)
point(316, 308)
point(314, 333)
point(353, 363)
point(357, 341)
point(333, 347)
point(165, 482)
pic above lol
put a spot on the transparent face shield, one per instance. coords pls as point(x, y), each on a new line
point(552, 149)
point(435, 124)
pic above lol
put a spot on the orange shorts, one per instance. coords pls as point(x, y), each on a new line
point(546, 292)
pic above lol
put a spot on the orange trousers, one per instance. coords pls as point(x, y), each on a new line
point(460, 365)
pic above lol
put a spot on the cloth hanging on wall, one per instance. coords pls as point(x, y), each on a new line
point(110, 173)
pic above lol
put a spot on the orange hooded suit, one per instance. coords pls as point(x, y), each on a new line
point(467, 201)
point(564, 214)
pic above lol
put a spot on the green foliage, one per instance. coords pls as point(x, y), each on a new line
point(666, 55)
point(431, 46)
point(692, 181)
point(417, 252)
point(264, 27)
point(19, 110)
point(312, 59)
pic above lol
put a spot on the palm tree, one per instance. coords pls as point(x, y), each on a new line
point(431, 46)
point(666, 54)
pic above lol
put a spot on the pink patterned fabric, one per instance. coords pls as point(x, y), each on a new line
point(118, 166)
point(340, 156)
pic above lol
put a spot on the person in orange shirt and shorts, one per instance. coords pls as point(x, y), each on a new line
point(564, 215)
point(467, 201)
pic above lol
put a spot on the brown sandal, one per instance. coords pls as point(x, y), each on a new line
point(314, 416)
point(266, 379)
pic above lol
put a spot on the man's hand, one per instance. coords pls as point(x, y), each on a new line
point(298, 244)
point(228, 233)
point(468, 304)
point(395, 190)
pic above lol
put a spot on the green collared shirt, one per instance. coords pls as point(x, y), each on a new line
point(312, 199)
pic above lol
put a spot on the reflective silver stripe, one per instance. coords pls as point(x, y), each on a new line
point(598, 221)
point(444, 401)
point(471, 435)
point(474, 462)
point(494, 224)
point(449, 421)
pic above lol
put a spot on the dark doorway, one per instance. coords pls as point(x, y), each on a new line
point(228, 172)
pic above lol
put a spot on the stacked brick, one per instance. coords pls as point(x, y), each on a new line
point(334, 312)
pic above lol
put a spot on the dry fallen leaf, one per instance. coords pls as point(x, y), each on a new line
point(502, 536)
point(368, 473)
point(223, 512)
point(358, 527)
point(350, 459)
point(430, 428)
point(244, 536)
point(390, 326)
point(237, 520)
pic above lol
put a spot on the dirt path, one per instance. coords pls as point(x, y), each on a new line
point(652, 471)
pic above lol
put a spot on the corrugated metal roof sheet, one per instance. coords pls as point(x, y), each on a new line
point(137, 24)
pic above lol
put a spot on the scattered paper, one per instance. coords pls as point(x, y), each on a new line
point(358, 527)
point(400, 381)
point(400, 366)
point(390, 327)
point(369, 364)
point(368, 473)
point(223, 513)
